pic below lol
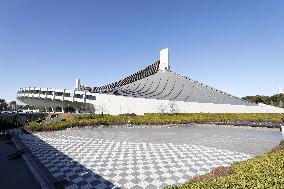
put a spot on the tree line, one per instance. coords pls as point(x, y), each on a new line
point(4, 105)
point(275, 100)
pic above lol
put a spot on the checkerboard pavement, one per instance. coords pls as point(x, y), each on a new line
point(103, 163)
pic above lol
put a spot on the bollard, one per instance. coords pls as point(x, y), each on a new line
point(282, 129)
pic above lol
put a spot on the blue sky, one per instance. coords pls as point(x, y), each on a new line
point(236, 46)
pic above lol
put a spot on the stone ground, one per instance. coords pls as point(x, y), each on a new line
point(145, 157)
point(14, 174)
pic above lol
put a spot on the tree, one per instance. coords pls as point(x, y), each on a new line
point(100, 109)
point(12, 105)
point(275, 100)
point(90, 108)
point(162, 108)
point(173, 107)
point(281, 104)
point(3, 104)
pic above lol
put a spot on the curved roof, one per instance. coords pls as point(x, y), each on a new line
point(154, 83)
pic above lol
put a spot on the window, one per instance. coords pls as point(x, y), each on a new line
point(67, 94)
point(90, 97)
point(78, 95)
point(58, 93)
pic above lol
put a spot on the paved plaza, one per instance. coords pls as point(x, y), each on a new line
point(152, 157)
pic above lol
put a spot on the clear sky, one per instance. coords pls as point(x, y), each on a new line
point(233, 45)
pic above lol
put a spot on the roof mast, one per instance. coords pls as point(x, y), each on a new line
point(164, 60)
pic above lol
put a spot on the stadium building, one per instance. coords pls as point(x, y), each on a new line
point(154, 89)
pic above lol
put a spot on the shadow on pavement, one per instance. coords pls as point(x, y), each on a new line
point(60, 170)
point(14, 173)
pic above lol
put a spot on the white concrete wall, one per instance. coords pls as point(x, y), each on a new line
point(121, 105)
point(114, 105)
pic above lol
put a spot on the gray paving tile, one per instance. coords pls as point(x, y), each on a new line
point(140, 158)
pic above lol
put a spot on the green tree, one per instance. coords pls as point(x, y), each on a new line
point(275, 100)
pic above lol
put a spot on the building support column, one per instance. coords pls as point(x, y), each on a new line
point(53, 110)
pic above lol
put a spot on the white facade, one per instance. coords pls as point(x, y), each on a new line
point(122, 105)
point(111, 104)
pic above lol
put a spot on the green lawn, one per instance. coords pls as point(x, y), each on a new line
point(153, 119)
